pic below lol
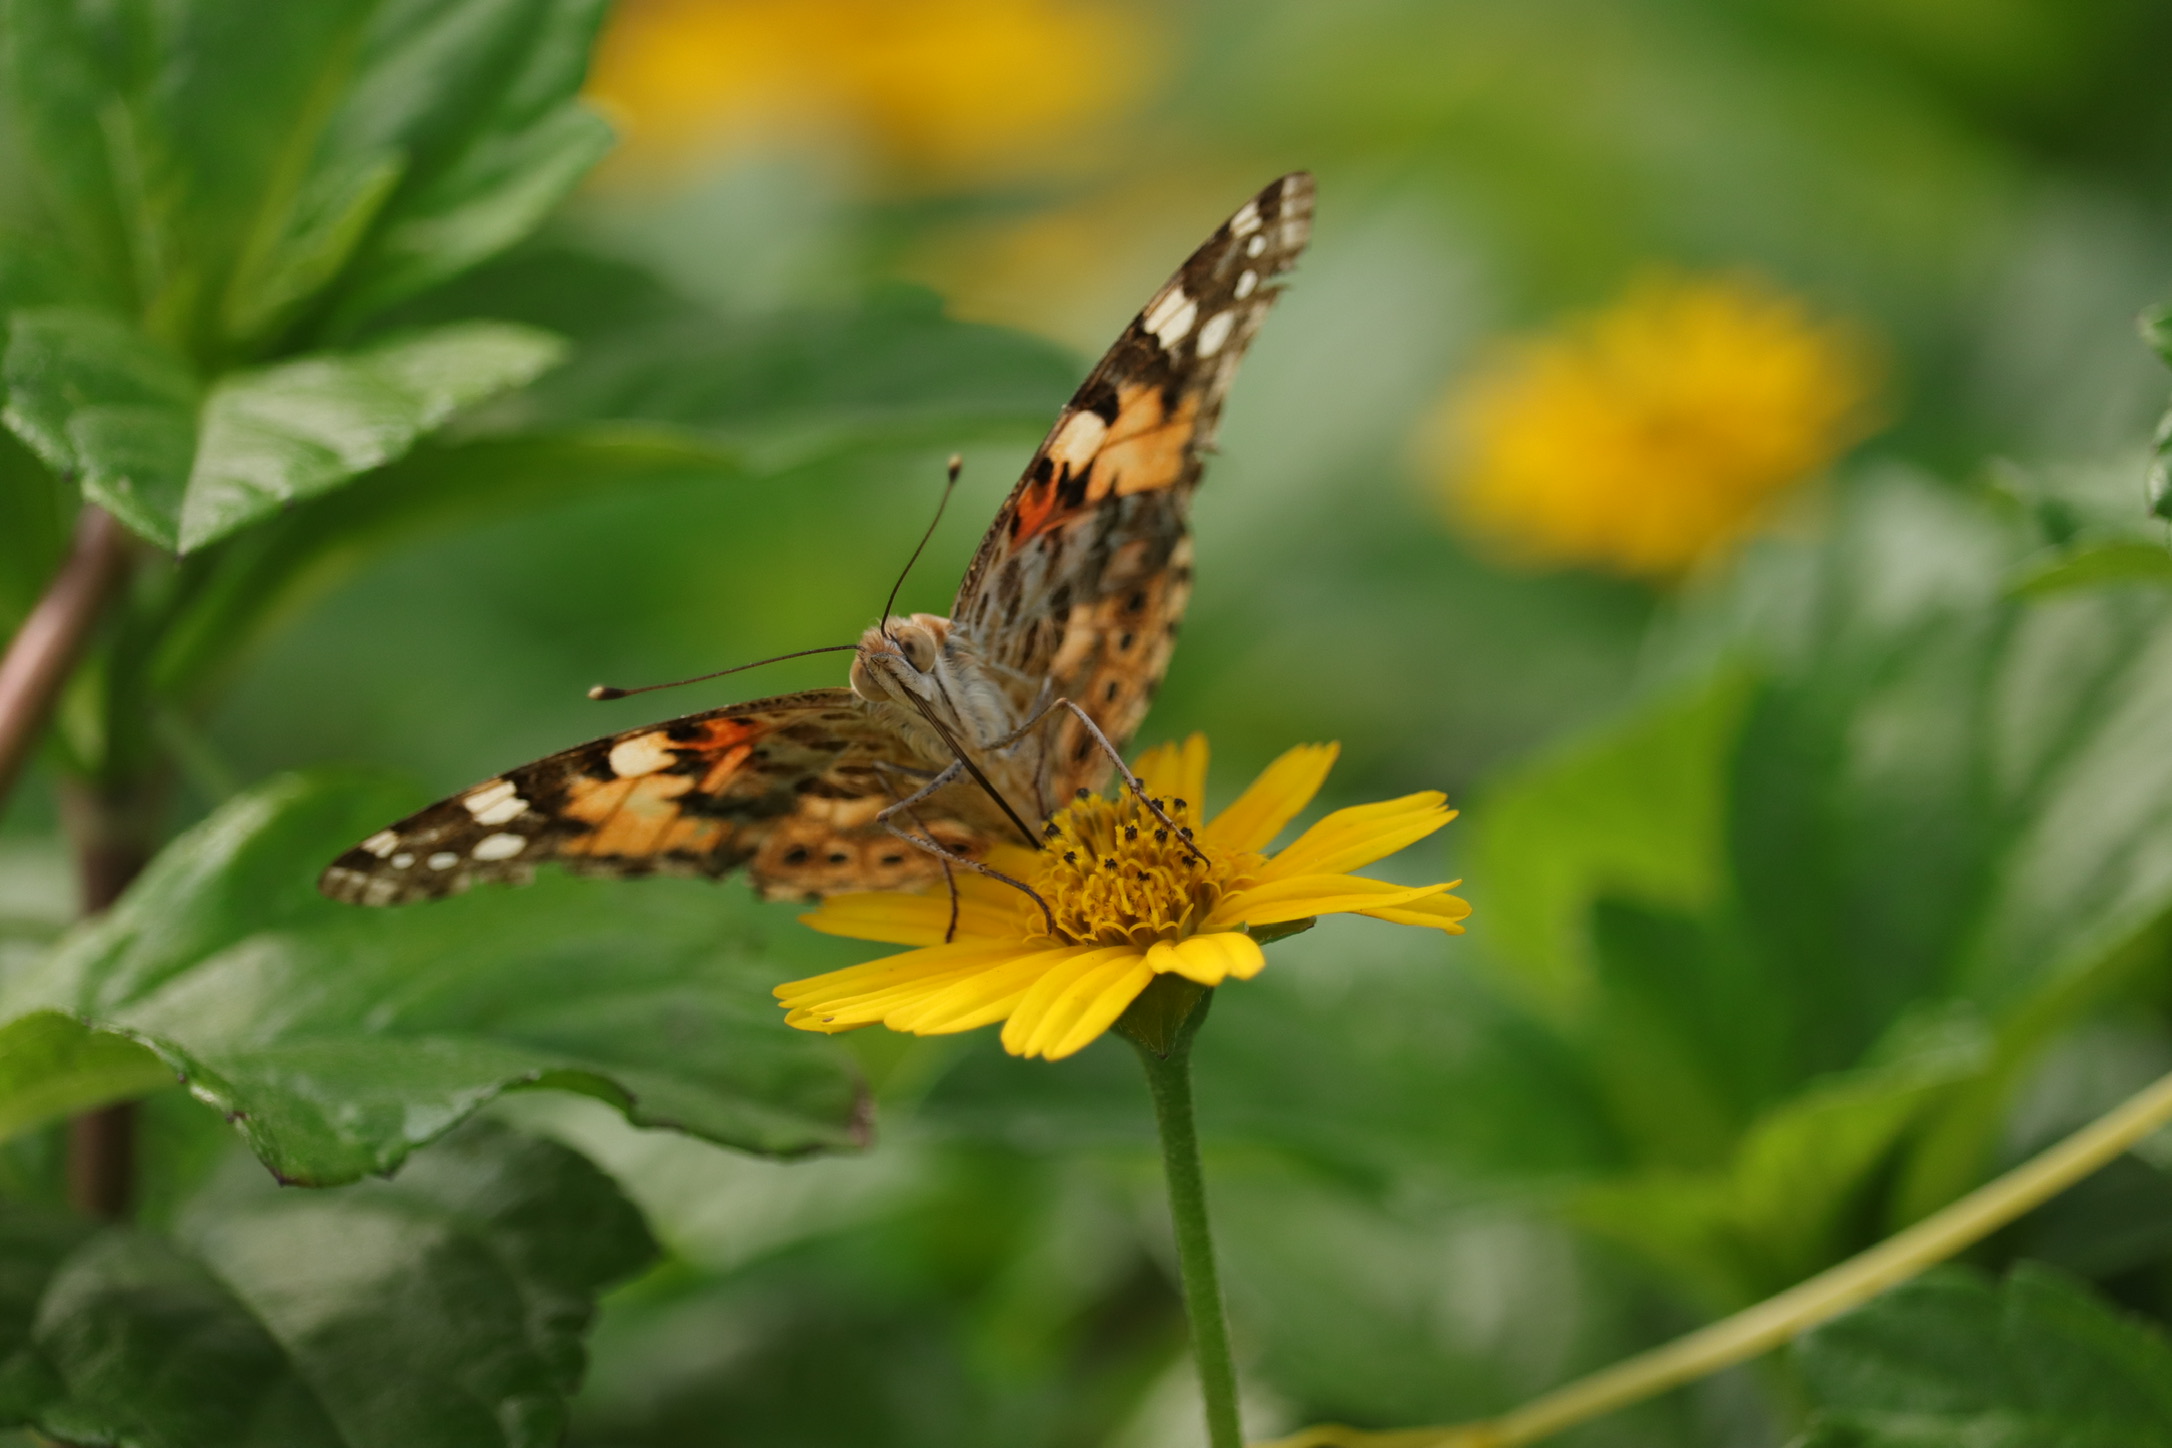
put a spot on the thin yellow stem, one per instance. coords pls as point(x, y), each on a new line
point(1757, 1330)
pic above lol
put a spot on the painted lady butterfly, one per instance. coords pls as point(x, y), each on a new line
point(969, 728)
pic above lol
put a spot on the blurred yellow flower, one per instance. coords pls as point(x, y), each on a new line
point(1126, 900)
point(1647, 436)
point(943, 87)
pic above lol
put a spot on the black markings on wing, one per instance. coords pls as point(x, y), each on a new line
point(1083, 579)
point(1077, 590)
point(788, 787)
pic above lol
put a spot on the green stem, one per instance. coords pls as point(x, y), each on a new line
point(1168, 1059)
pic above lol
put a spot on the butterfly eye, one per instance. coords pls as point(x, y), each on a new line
point(918, 646)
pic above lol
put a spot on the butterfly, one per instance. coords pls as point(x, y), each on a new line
point(955, 732)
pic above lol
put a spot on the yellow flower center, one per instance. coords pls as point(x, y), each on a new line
point(1114, 874)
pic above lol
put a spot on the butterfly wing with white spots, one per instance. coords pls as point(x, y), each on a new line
point(1076, 592)
point(787, 787)
point(1083, 579)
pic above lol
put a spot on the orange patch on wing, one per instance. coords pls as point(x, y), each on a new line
point(1036, 510)
point(1143, 451)
point(723, 733)
point(1147, 447)
point(726, 766)
point(637, 817)
point(692, 833)
point(592, 801)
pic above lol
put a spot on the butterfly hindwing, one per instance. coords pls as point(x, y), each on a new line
point(1083, 579)
point(788, 787)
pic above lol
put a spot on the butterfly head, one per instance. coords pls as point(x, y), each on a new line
point(898, 658)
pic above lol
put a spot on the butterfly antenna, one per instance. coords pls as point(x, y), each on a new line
point(610, 691)
point(957, 465)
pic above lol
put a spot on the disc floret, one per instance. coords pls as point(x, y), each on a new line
point(1113, 873)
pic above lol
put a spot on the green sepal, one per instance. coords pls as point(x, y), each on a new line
point(1166, 1015)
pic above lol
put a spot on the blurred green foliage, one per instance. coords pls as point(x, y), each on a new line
point(1954, 1357)
point(1807, 897)
point(281, 1318)
point(339, 1040)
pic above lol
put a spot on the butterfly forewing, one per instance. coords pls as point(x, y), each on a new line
point(788, 787)
point(1083, 579)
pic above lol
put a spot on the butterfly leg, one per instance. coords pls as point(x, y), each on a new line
point(950, 878)
point(950, 874)
point(887, 819)
point(1153, 805)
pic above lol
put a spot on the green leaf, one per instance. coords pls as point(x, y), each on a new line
point(445, 1308)
point(36, 508)
point(173, 139)
point(300, 249)
point(301, 428)
point(483, 100)
point(1954, 1359)
point(216, 168)
point(1784, 1206)
point(240, 585)
point(339, 1039)
point(1943, 791)
point(1682, 1039)
point(52, 1065)
point(2100, 564)
point(2114, 1221)
point(790, 389)
point(1926, 804)
point(98, 401)
point(647, 395)
point(1634, 812)
point(2073, 876)
point(2155, 325)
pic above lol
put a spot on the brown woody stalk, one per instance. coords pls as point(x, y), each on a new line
point(44, 649)
point(101, 1144)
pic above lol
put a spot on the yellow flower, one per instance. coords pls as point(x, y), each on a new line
point(949, 87)
point(1649, 435)
point(1127, 900)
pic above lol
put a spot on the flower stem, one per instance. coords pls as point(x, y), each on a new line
point(1167, 1055)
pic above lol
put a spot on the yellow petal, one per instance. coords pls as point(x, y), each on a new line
point(1176, 771)
point(879, 1005)
point(864, 1000)
point(1013, 859)
point(1360, 835)
point(1279, 900)
point(1441, 912)
point(809, 1021)
point(894, 969)
point(981, 999)
point(1094, 1004)
point(1048, 1009)
point(1210, 958)
point(1283, 789)
point(896, 918)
